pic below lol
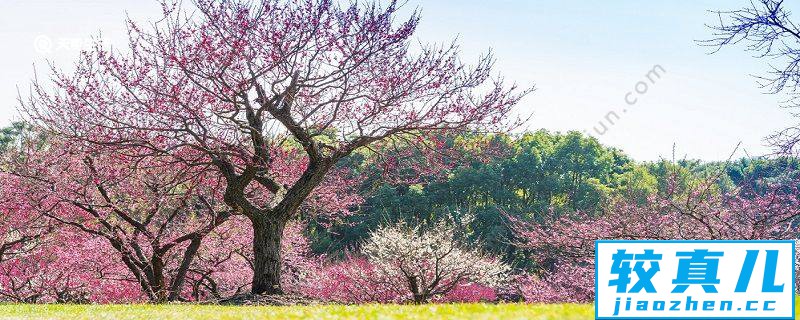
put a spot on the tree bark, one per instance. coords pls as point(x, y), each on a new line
point(156, 278)
point(267, 234)
point(180, 276)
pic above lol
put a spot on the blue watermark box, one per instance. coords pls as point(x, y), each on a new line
point(694, 279)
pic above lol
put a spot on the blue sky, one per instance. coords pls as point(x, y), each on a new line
point(583, 56)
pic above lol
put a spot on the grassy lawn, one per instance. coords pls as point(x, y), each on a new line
point(431, 311)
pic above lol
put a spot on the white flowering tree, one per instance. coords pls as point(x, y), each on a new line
point(429, 262)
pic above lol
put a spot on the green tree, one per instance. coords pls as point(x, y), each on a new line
point(539, 174)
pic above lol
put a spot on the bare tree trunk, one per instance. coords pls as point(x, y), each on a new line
point(180, 276)
point(417, 296)
point(156, 279)
point(267, 234)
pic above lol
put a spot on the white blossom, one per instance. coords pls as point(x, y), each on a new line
point(430, 262)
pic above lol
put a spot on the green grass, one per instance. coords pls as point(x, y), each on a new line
point(373, 311)
point(474, 311)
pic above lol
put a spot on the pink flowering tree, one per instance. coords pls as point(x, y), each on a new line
point(23, 233)
point(226, 262)
point(21, 227)
point(43, 261)
point(564, 246)
point(151, 219)
point(240, 81)
point(352, 280)
point(67, 267)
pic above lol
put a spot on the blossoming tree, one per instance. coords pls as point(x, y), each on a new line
point(153, 220)
point(428, 262)
point(564, 246)
point(240, 81)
